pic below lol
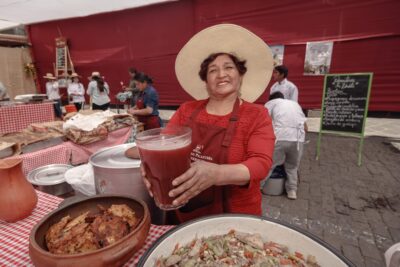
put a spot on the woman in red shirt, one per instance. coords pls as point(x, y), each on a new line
point(232, 139)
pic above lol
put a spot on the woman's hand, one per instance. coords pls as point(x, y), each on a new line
point(145, 180)
point(200, 176)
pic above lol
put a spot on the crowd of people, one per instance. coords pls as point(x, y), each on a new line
point(143, 96)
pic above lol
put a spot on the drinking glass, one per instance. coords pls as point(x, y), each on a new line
point(165, 155)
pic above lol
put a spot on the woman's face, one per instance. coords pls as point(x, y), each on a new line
point(76, 79)
point(141, 85)
point(223, 78)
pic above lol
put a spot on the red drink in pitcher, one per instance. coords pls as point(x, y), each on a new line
point(165, 155)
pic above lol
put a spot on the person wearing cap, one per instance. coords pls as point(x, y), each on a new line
point(76, 92)
point(225, 68)
point(146, 108)
point(283, 85)
point(53, 93)
point(98, 90)
point(289, 126)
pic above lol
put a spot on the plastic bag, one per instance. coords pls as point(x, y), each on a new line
point(278, 172)
point(81, 179)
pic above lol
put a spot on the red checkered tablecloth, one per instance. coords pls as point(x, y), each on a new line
point(59, 154)
point(14, 237)
point(71, 153)
point(16, 118)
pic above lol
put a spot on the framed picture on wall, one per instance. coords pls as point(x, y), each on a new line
point(277, 54)
point(318, 58)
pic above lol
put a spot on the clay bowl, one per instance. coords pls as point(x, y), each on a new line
point(113, 255)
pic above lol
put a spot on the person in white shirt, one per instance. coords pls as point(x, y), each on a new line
point(3, 92)
point(53, 93)
point(283, 85)
point(288, 121)
point(98, 90)
point(76, 92)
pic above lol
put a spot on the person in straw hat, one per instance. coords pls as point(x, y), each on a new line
point(98, 90)
point(53, 93)
point(76, 92)
point(224, 67)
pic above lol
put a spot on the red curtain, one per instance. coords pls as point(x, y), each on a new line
point(366, 37)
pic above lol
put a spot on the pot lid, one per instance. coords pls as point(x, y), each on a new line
point(48, 175)
point(114, 158)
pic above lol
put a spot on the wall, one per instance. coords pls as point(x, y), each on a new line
point(366, 36)
point(12, 73)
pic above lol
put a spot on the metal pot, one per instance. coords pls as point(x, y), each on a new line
point(114, 173)
point(50, 179)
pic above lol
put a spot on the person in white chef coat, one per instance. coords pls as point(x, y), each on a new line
point(288, 121)
point(76, 92)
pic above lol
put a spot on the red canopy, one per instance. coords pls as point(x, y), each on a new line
point(366, 37)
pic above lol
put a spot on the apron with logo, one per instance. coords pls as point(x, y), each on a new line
point(149, 121)
point(210, 143)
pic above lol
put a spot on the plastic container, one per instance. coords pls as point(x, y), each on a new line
point(70, 108)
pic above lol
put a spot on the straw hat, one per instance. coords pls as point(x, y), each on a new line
point(74, 74)
point(95, 73)
point(49, 76)
point(232, 39)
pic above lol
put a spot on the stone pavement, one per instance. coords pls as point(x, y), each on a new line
point(354, 209)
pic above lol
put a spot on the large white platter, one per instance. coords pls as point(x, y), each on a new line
point(271, 230)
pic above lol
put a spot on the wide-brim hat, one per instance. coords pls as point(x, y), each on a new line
point(49, 76)
point(94, 74)
point(226, 38)
point(74, 74)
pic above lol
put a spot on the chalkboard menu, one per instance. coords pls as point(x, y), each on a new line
point(345, 102)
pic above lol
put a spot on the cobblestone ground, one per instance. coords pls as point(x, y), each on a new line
point(354, 209)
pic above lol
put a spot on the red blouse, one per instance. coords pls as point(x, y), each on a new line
point(252, 145)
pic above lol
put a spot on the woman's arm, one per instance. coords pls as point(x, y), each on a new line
point(81, 90)
point(141, 112)
point(90, 89)
point(107, 88)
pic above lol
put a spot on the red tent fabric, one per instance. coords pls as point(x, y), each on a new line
point(366, 37)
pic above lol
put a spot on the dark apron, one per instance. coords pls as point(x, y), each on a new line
point(210, 143)
point(149, 121)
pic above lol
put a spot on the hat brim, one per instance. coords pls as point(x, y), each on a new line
point(226, 38)
point(49, 78)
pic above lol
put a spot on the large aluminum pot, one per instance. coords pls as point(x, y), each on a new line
point(114, 173)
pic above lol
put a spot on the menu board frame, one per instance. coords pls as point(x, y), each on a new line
point(351, 111)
